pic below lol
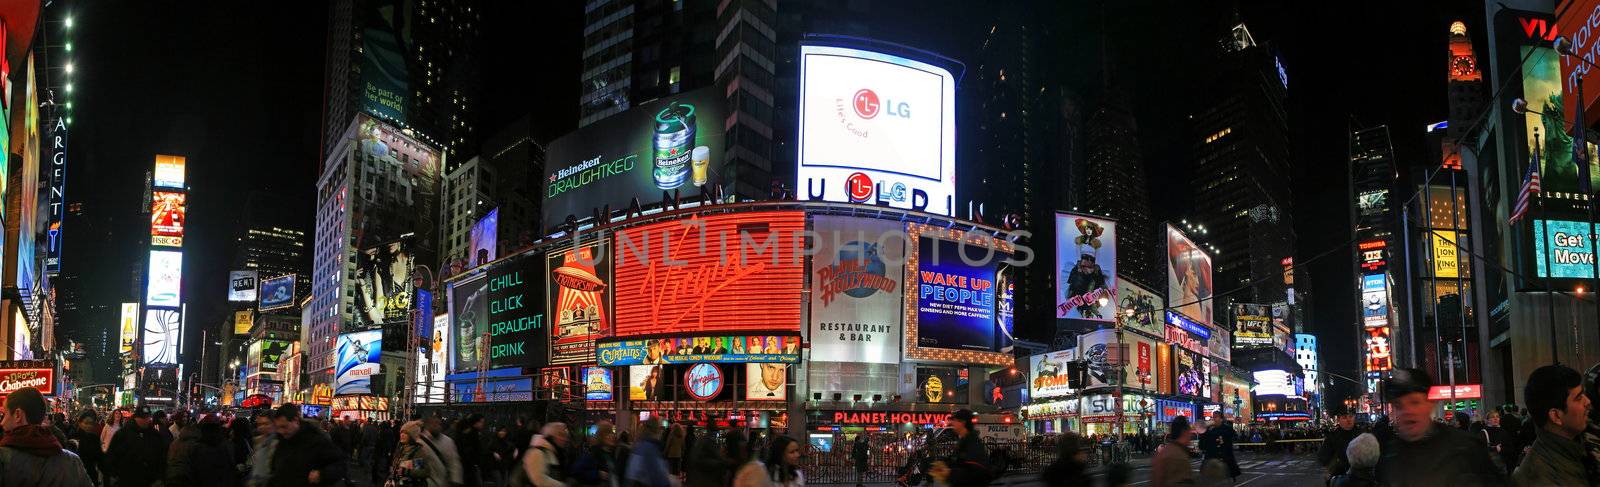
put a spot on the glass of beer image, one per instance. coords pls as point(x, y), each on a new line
point(701, 163)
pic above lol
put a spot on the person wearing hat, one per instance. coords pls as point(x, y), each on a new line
point(1071, 465)
point(138, 453)
point(1331, 455)
point(1423, 452)
point(1171, 465)
point(971, 466)
point(30, 454)
point(1559, 409)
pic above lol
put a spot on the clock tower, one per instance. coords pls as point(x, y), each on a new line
point(1465, 82)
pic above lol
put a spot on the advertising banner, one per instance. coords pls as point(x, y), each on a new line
point(1446, 262)
point(580, 298)
point(1374, 300)
point(597, 383)
point(1252, 325)
point(672, 144)
point(271, 353)
point(469, 314)
point(167, 211)
point(1561, 248)
point(13, 378)
point(697, 349)
point(356, 360)
point(753, 284)
point(169, 172)
point(1186, 367)
point(765, 382)
point(704, 382)
point(1103, 407)
point(242, 286)
point(129, 324)
point(276, 293)
point(1189, 285)
point(165, 279)
point(57, 194)
point(646, 382)
point(1220, 345)
point(243, 321)
point(1099, 349)
point(1274, 383)
point(384, 91)
point(500, 385)
point(383, 286)
point(163, 331)
point(954, 298)
point(856, 292)
point(1378, 358)
point(1047, 374)
point(435, 362)
point(1143, 375)
point(1086, 263)
point(1164, 368)
point(876, 129)
point(942, 385)
point(483, 239)
point(517, 335)
point(1146, 316)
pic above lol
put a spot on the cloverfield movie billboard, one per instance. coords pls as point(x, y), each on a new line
point(671, 144)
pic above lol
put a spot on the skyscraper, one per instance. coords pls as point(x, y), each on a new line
point(1372, 178)
point(1115, 186)
point(635, 51)
point(271, 242)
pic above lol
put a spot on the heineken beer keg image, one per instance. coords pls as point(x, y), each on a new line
point(674, 142)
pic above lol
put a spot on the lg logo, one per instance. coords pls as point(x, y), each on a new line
point(867, 105)
point(859, 186)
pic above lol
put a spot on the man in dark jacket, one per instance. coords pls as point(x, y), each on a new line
point(305, 455)
point(1217, 444)
point(469, 444)
point(1423, 452)
point(1560, 410)
point(138, 452)
point(1331, 456)
point(972, 458)
point(30, 454)
point(86, 435)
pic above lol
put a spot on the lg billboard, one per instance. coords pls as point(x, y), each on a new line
point(877, 129)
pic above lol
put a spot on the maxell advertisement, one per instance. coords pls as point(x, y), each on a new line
point(942, 385)
point(163, 331)
point(165, 279)
point(383, 286)
point(856, 293)
point(1086, 266)
point(469, 316)
point(1252, 325)
point(697, 349)
point(954, 299)
point(167, 210)
point(516, 314)
point(1374, 300)
point(765, 382)
point(876, 129)
point(1146, 308)
point(671, 144)
point(1189, 284)
point(242, 286)
point(355, 361)
point(753, 285)
point(1047, 374)
point(580, 298)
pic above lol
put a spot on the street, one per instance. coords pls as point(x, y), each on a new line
point(1260, 470)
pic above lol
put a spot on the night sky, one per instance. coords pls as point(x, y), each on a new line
point(239, 92)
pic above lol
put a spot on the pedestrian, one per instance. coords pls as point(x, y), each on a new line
point(414, 463)
point(706, 465)
point(445, 448)
point(113, 423)
point(262, 446)
point(601, 464)
point(85, 437)
point(971, 467)
point(783, 462)
point(1217, 444)
point(138, 452)
point(502, 456)
point(1423, 452)
point(1463, 420)
point(542, 466)
point(304, 454)
point(177, 470)
point(1362, 454)
point(207, 460)
point(384, 447)
point(860, 452)
point(1560, 410)
point(1171, 467)
point(1332, 455)
point(647, 466)
point(1510, 426)
point(31, 454)
point(676, 437)
point(369, 442)
point(1495, 438)
point(1071, 466)
point(470, 444)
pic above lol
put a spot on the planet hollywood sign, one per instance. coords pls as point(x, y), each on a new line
point(888, 417)
point(12, 380)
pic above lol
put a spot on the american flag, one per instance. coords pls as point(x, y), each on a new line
point(1530, 185)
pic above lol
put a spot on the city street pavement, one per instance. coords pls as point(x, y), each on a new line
point(1259, 470)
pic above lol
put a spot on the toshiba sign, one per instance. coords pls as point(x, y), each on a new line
point(12, 380)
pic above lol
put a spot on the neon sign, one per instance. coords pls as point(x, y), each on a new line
point(704, 381)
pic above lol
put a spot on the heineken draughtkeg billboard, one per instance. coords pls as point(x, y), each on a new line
point(671, 144)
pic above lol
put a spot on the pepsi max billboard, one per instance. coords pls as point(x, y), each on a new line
point(671, 144)
point(875, 129)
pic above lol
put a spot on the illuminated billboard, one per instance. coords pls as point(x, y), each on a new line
point(1274, 383)
point(383, 286)
point(754, 285)
point(1252, 325)
point(242, 286)
point(942, 385)
point(580, 301)
point(1095, 349)
point(1374, 300)
point(355, 362)
point(516, 316)
point(167, 211)
point(876, 129)
point(697, 349)
point(672, 144)
point(856, 294)
point(483, 238)
point(243, 321)
point(1561, 249)
point(165, 278)
point(1446, 258)
point(271, 353)
point(1047, 374)
point(1086, 267)
point(469, 317)
point(646, 382)
point(129, 326)
point(950, 296)
point(1145, 304)
point(169, 172)
point(1378, 349)
point(385, 33)
point(597, 383)
point(1190, 377)
point(766, 382)
point(163, 331)
point(277, 292)
point(1189, 285)
point(15, 376)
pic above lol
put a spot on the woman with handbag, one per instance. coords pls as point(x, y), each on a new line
point(414, 463)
